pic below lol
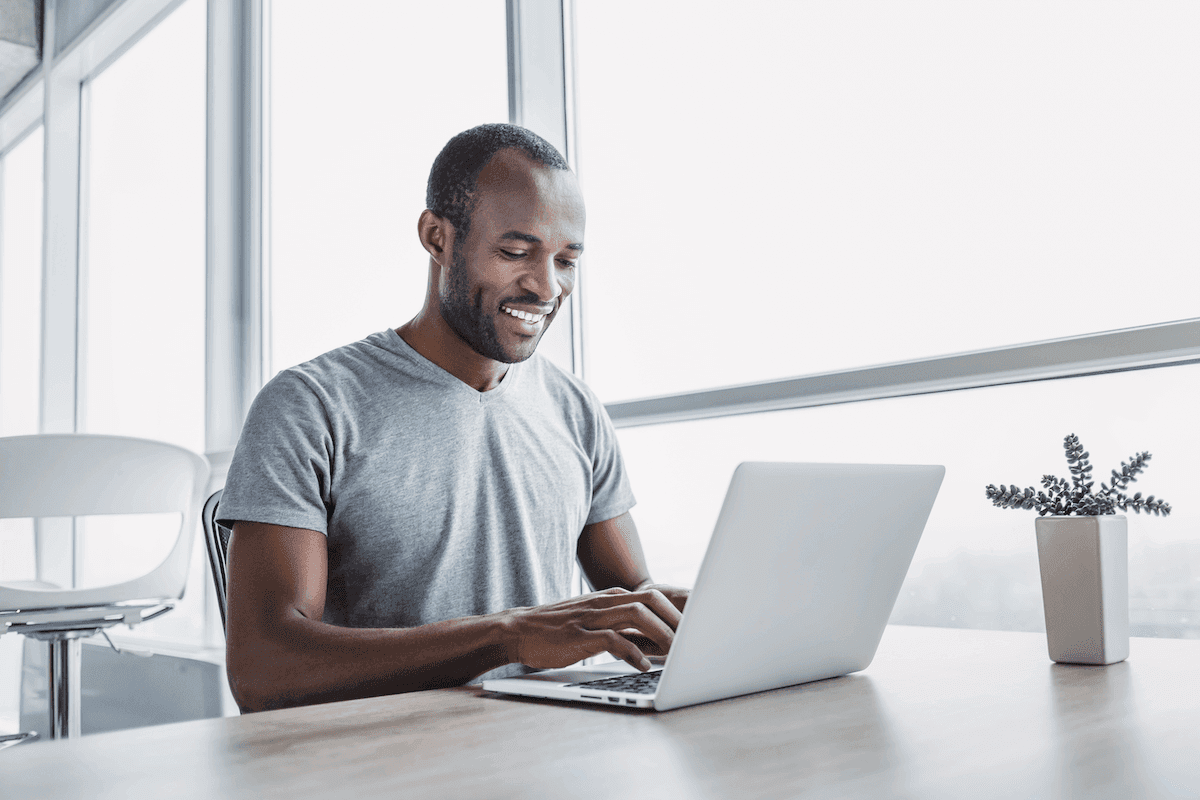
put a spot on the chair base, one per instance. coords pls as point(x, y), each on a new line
point(62, 629)
point(121, 692)
point(64, 680)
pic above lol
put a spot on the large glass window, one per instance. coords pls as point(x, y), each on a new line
point(20, 323)
point(976, 565)
point(778, 188)
point(143, 340)
point(142, 345)
point(20, 339)
point(20, 285)
point(354, 131)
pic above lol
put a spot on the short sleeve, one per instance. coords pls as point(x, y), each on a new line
point(282, 467)
point(611, 493)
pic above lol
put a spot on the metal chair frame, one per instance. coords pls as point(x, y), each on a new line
point(216, 540)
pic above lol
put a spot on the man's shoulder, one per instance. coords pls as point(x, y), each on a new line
point(567, 397)
point(368, 361)
point(347, 358)
point(560, 383)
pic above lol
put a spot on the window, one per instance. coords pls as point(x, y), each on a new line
point(778, 189)
point(976, 565)
point(782, 189)
point(353, 134)
point(20, 285)
point(143, 339)
point(20, 322)
point(20, 335)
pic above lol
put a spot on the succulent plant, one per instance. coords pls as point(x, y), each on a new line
point(1063, 498)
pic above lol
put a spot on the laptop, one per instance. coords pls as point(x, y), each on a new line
point(799, 579)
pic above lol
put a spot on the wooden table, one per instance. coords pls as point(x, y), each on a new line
point(940, 714)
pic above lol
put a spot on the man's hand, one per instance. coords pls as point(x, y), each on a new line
point(678, 597)
point(676, 594)
point(559, 634)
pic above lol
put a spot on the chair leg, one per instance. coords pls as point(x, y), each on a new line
point(64, 687)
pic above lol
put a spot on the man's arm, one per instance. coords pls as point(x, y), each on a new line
point(280, 653)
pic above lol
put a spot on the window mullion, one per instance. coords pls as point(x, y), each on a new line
point(235, 314)
point(60, 247)
point(234, 201)
point(58, 405)
point(537, 89)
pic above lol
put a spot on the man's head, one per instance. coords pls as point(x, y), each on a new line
point(504, 228)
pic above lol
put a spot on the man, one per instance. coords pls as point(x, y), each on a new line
point(406, 510)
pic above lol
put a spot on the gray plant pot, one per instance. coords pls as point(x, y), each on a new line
point(1085, 587)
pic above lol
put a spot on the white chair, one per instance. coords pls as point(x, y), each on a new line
point(74, 475)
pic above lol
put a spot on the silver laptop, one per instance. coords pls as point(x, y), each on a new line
point(798, 582)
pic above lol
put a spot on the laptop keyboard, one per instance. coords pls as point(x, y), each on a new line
point(635, 683)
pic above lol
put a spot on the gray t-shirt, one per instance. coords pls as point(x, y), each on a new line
point(438, 501)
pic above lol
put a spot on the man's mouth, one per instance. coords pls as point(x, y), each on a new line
point(526, 316)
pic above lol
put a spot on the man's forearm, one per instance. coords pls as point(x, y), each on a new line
point(298, 661)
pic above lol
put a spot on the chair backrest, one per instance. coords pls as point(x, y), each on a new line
point(77, 474)
point(216, 539)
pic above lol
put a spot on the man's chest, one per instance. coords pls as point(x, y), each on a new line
point(434, 479)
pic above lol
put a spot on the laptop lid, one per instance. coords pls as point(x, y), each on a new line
point(800, 577)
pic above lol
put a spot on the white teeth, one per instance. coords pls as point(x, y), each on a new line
point(523, 314)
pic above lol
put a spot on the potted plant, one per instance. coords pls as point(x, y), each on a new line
point(1083, 552)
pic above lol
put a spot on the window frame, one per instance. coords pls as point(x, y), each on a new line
point(1147, 347)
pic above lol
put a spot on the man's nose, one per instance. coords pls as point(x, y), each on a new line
point(543, 279)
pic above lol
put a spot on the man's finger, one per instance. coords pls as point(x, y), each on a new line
point(620, 647)
point(636, 616)
point(676, 594)
point(644, 643)
point(652, 599)
point(660, 605)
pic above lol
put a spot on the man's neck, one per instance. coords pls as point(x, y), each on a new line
point(429, 335)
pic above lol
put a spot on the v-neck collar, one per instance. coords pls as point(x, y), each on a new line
point(395, 343)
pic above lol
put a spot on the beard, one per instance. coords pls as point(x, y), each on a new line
point(466, 317)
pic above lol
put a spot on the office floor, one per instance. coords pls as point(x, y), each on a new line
point(120, 691)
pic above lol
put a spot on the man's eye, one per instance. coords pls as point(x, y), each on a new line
point(512, 254)
point(566, 262)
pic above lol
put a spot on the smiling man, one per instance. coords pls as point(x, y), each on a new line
point(407, 509)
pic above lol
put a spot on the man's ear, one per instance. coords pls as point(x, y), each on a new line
point(436, 235)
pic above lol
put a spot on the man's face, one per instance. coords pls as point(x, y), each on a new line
point(507, 281)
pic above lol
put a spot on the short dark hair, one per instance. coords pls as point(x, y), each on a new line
point(450, 192)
